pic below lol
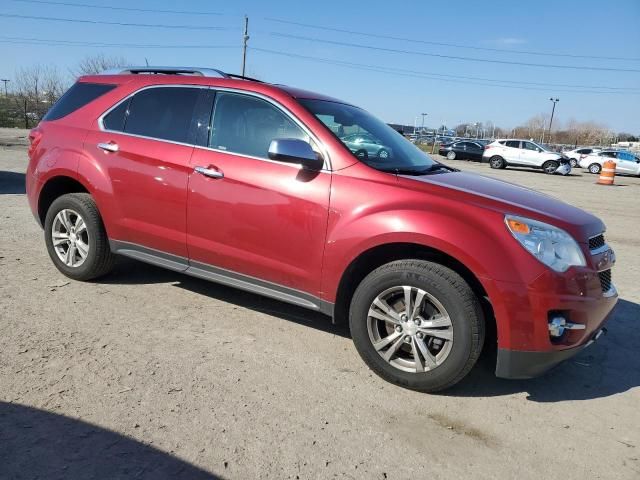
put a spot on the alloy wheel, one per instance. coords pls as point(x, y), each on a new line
point(410, 329)
point(70, 237)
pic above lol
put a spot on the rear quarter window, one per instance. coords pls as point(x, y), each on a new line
point(79, 95)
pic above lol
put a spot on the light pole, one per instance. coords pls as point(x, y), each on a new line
point(245, 39)
point(422, 129)
point(553, 109)
point(5, 80)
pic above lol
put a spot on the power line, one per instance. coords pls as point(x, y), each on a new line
point(442, 44)
point(452, 57)
point(73, 43)
point(414, 74)
point(104, 22)
point(111, 7)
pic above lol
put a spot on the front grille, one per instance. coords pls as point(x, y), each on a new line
point(596, 242)
point(605, 280)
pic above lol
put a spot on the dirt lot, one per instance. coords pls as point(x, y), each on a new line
point(152, 374)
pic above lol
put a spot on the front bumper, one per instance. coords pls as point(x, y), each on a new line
point(514, 364)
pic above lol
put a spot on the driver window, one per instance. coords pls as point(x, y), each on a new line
point(246, 125)
point(530, 146)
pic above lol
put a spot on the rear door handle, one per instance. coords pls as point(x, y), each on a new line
point(209, 172)
point(109, 147)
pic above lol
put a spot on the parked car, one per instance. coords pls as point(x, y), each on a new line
point(365, 145)
point(575, 155)
point(626, 162)
point(248, 184)
point(524, 153)
point(462, 150)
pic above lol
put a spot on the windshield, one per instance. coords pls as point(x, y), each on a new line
point(369, 139)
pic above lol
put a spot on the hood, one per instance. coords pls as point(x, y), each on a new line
point(508, 198)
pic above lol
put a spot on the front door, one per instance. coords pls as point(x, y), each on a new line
point(250, 215)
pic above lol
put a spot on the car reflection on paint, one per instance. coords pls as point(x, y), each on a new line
point(365, 145)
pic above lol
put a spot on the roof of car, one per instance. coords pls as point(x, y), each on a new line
point(198, 76)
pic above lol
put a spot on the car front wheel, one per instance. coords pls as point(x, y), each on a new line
point(417, 324)
point(550, 166)
point(451, 155)
point(76, 238)
point(573, 162)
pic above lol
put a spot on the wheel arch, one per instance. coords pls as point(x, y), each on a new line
point(378, 255)
point(54, 188)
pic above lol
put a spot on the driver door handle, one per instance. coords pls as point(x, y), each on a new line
point(109, 147)
point(209, 172)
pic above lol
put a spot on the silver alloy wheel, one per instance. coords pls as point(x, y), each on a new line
point(451, 155)
point(573, 162)
point(550, 167)
point(495, 162)
point(594, 168)
point(383, 153)
point(410, 329)
point(70, 237)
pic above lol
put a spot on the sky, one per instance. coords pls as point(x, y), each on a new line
point(459, 62)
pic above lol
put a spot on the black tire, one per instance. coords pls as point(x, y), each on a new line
point(362, 154)
point(573, 162)
point(451, 155)
point(99, 259)
point(497, 162)
point(461, 304)
point(595, 168)
point(550, 166)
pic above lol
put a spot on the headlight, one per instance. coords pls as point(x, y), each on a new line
point(551, 245)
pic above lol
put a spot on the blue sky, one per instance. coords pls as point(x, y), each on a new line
point(393, 85)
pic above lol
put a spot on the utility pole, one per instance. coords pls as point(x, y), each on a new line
point(422, 129)
point(552, 112)
point(5, 80)
point(245, 39)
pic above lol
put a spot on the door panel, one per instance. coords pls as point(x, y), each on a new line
point(149, 189)
point(264, 219)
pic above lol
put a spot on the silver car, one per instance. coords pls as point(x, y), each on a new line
point(365, 145)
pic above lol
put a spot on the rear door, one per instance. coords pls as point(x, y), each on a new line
point(143, 146)
point(512, 151)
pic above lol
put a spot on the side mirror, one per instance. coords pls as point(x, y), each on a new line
point(293, 150)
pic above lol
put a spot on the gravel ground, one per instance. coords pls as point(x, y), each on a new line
point(151, 374)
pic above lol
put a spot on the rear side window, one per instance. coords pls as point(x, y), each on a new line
point(161, 112)
point(79, 95)
point(513, 144)
point(114, 120)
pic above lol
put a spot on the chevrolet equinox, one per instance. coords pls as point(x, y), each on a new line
point(256, 186)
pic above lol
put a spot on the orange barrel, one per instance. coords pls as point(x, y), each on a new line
point(607, 173)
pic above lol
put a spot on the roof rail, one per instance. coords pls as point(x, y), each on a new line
point(200, 72)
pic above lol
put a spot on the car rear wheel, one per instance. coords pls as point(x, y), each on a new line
point(76, 238)
point(550, 166)
point(362, 154)
point(497, 162)
point(595, 168)
point(451, 155)
point(417, 324)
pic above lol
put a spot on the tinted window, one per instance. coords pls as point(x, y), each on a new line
point(163, 112)
point(530, 146)
point(246, 125)
point(625, 156)
point(608, 154)
point(76, 97)
point(114, 120)
point(513, 143)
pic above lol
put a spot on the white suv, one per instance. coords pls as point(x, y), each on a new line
point(524, 153)
point(574, 156)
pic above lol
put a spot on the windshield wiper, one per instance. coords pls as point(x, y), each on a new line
point(419, 171)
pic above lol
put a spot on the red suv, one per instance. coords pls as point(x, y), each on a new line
point(253, 185)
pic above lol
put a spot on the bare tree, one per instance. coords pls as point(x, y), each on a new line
point(35, 90)
point(94, 64)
